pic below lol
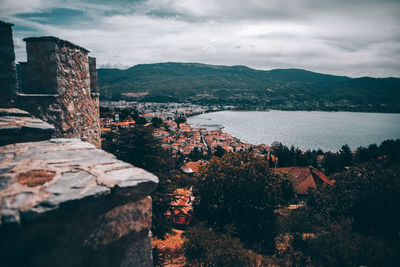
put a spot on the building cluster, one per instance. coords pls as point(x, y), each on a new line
point(184, 138)
point(108, 125)
point(165, 111)
point(180, 138)
point(177, 138)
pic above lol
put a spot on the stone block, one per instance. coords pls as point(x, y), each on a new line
point(59, 67)
point(66, 203)
point(19, 126)
point(94, 88)
point(8, 73)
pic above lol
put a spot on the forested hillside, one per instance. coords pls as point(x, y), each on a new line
point(243, 87)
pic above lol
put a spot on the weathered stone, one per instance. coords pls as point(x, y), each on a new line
point(15, 112)
point(94, 87)
point(138, 254)
point(8, 73)
point(18, 126)
point(35, 177)
point(120, 221)
point(63, 170)
point(64, 202)
point(59, 68)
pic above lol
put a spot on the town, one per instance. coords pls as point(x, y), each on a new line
point(176, 134)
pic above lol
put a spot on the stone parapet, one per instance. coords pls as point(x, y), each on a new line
point(19, 126)
point(56, 40)
point(94, 87)
point(8, 73)
point(60, 68)
point(66, 203)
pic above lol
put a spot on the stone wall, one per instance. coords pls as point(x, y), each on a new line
point(56, 85)
point(65, 203)
point(94, 87)
point(8, 74)
point(19, 126)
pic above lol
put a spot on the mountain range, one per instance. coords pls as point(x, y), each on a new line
point(246, 88)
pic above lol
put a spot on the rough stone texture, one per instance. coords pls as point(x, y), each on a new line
point(14, 112)
point(18, 126)
point(8, 74)
point(56, 86)
point(63, 202)
point(94, 86)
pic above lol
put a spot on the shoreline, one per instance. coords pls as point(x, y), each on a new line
point(370, 130)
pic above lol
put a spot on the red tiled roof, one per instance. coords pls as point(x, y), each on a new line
point(124, 123)
point(192, 166)
point(321, 176)
point(305, 178)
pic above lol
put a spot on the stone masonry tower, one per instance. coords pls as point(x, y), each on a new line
point(58, 84)
point(8, 74)
point(64, 202)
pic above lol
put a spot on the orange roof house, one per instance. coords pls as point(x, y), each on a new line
point(228, 148)
point(306, 177)
point(193, 166)
point(182, 206)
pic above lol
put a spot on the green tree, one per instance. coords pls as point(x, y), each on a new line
point(338, 245)
point(345, 156)
point(362, 155)
point(205, 245)
point(240, 189)
point(331, 163)
point(139, 147)
point(179, 120)
point(356, 221)
point(195, 154)
point(219, 151)
point(140, 121)
point(370, 194)
point(156, 122)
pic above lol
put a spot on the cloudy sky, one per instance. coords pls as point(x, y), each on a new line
point(345, 37)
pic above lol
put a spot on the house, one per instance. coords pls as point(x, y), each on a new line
point(192, 167)
point(182, 206)
point(304, 178)
point(228, 148)
point(147, 116)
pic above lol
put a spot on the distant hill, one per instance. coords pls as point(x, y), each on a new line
point(247, 88)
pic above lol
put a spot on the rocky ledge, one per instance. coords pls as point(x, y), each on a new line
point(19, 126)
point(64, 202)
point(40, 176)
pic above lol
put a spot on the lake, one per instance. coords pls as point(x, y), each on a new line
point(304, 129)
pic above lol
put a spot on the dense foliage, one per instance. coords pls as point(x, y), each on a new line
point(336, 162)
point(356, 221)
point(139, 147)
point(241, 190)
point(249, 88)
point(206, 246)
point(294, 156)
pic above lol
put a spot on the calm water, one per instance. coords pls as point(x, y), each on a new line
point(304, 129)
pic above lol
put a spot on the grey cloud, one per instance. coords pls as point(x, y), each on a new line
point(352, 38)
